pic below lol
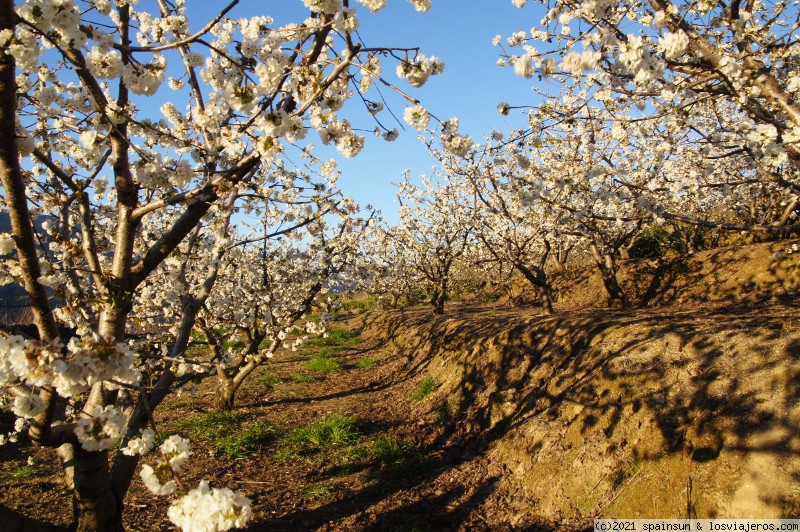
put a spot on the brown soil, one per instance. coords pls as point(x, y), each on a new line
point(685, 406)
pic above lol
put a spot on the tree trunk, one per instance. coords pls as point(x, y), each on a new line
point(228, 386)
point(538, 278)
point(225, 397)
point(437, 300)
point(608, 271)
point(95, 505)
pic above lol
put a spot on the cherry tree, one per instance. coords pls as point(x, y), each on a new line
point(386, 271)
point(273, 287)
point(124, 187)
point(435, 227)
point(513, 227)
point(717, 77)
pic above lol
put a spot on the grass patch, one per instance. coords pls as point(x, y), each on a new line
point(233, 344)
point(390, 451)
point(424, 389)
point(365, 362)
point(337, 338)
point(22, 472)
point(360, 305)
point(245, 442)
point(269, 380)
point(324, 433)
point(174, 405)
point(318, 491)
point(395, 458)
point(445, 411)
point(324, 352)
point(301, 377)
point(324, 365)
point(228, 434)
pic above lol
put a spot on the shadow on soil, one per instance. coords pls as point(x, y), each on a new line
point(705, 382)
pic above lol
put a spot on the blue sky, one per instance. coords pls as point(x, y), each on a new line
point(457, 31)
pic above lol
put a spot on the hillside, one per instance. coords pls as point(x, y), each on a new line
point(494, 417)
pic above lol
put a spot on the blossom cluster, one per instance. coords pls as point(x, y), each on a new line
point(206, 509)
point(201, 508)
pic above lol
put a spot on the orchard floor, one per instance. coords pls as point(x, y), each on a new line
point(386, 476)
point(495, 417)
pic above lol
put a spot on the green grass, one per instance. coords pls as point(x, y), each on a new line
point(338, 338)
point(211, 422)
point(365, 362)
point(300, 377)
point(324, 365)
point(246, 441)
point(22, 472)
point(445, 411)
point(270, 380)
point(390, 451)
point(424, 389)
point(324, 433)
point(228, 434)
point(318, 491)
point(233, 344)
point(324, 352)
point(360, 305)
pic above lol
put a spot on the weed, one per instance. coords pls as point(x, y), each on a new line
point(324, 365)
point(246, 441)
point(445, 411)
point(425, 388)
point(390, 451)
point(174, 405)
point(360, 305)
point(22, 472)
point(365, 362)
point(300, 377)
point(269, 380)
point(212, 422)
point(339, 338)
point(233, 344)
point(324, 433)
point(228, 434)
point(319, 491)
point(326, 352)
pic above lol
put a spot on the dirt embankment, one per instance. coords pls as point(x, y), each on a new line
point(685, 409)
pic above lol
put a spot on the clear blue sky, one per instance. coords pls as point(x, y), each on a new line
point(457, 31)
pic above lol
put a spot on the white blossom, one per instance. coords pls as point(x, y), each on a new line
point(673, 44)
point(140, 445)
point(204, 509)
point(102, 430)
point(7, 244)
point(523, 66)
point(28, 406)
point(416, 116)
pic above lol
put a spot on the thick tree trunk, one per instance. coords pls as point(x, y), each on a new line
point(95, 505)
point(225, 398)
point(437, 300)
point(608, 272)
point(228, 386)
point(538, 278)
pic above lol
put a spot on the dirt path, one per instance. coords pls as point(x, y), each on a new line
point(389, 469)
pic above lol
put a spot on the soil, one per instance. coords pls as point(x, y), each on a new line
point(497, 417)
